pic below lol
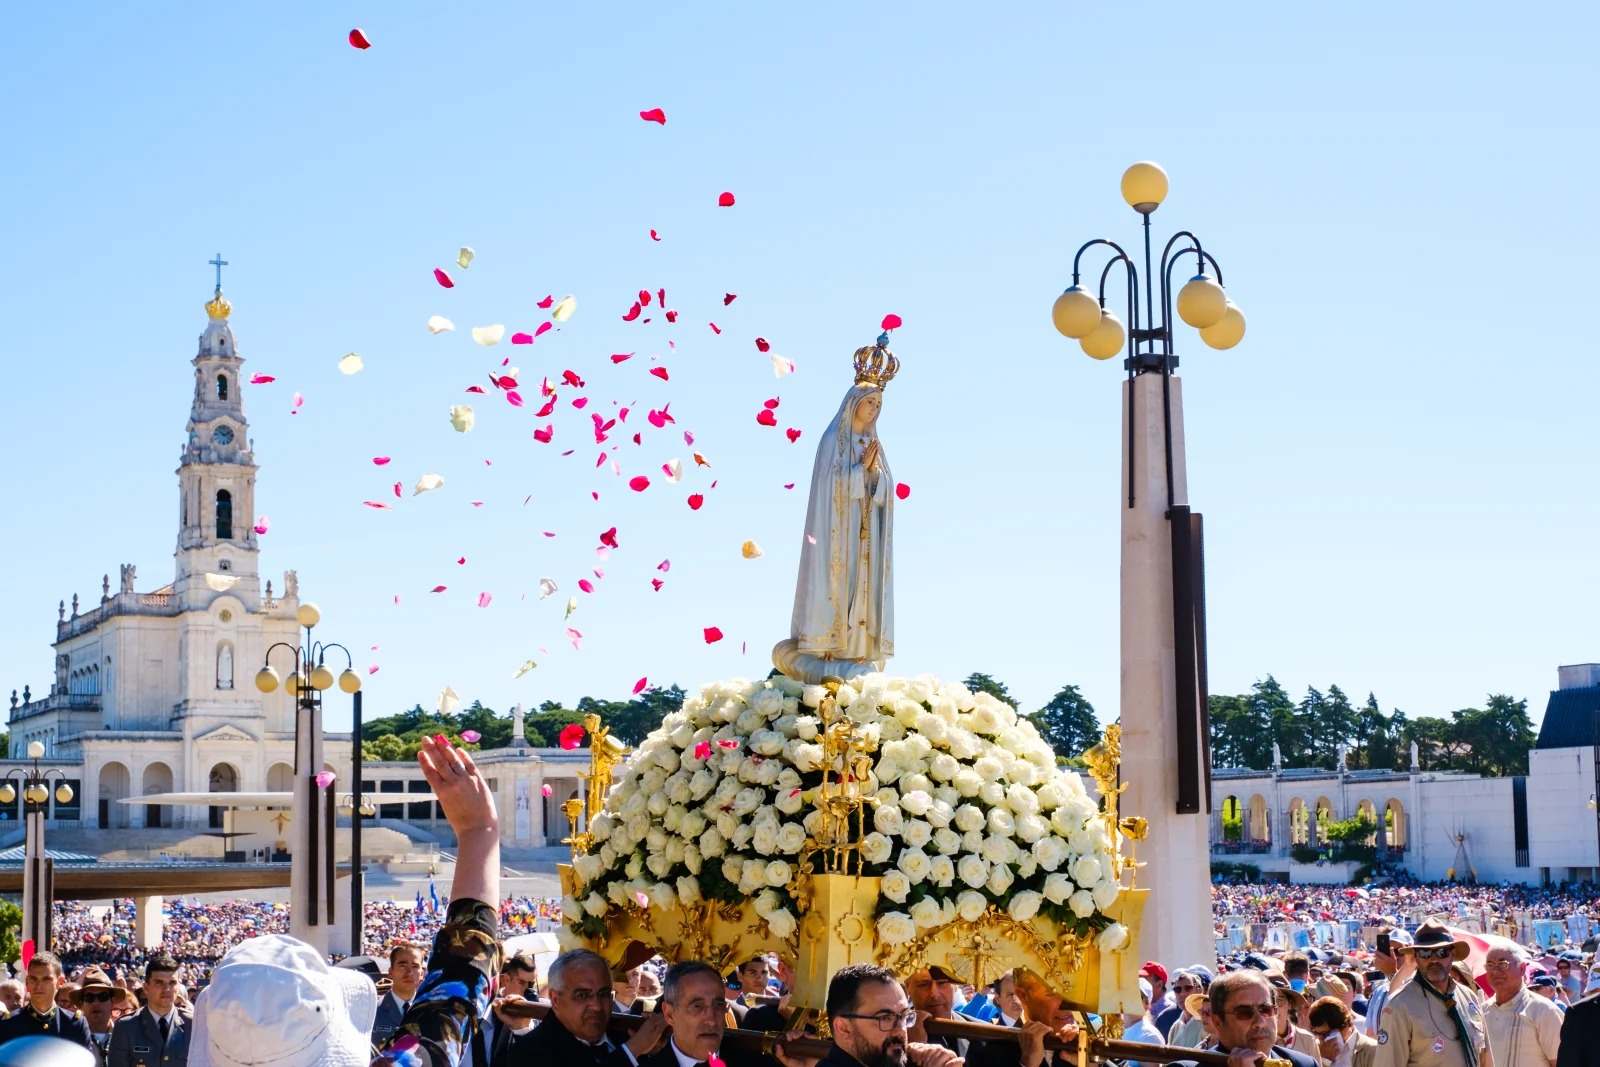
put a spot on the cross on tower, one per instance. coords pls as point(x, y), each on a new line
point(218, 263)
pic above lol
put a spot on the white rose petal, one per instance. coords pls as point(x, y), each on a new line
point(876, 848)
point(1081, 903)
point(1113, 938)
point(915, 863)
point(1057, 888)
point(1086, 870)
point(926, 913)
point(971, 905)
point(895, 886)
point(973, 870)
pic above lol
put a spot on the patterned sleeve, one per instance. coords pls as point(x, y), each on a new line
point(438, 1029)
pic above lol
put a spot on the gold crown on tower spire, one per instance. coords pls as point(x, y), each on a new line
point(875, 364)
point(218, 307)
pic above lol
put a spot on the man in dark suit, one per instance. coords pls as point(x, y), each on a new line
point(406, 971)
point(518, 979)
point(574, 1033)
point(1580, 1034)
point(40, 1014)
point(1043, 1014)
point(693, 1005)
point(1244, 1018)
point(868, 1013)
point(157, 1035)
point(932, 995)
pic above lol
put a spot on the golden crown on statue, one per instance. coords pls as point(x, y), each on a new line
point(875, 364)
point(218, 307)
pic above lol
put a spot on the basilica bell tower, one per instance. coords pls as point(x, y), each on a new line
point(217, 474)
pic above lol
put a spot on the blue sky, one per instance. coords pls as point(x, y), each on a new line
point(1394, 465)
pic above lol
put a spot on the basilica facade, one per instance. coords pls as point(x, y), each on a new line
point(153, 689)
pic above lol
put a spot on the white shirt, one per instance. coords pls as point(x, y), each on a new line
point(684, 1059)
point(1525, 1031)
point(172, 1020)
point(607, 1044)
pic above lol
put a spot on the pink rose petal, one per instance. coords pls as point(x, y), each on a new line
point(379, 461)
point(638, 687)
point(522, 338)
point(471, 737)
point(483, 599)
point(443, 279)
point(325, 779)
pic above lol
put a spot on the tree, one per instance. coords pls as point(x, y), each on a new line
point(983, 683)
point(1068, 723)
point(1338, 726)
point(1495, 740)
point(10, 923)
point(1280, 721)
point(1226, 716)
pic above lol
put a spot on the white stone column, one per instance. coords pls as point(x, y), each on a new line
point(1177, 919)
point(148, 924)
point(339, 935)
point(307, 867)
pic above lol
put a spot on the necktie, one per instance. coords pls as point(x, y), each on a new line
point(166, 1027)
point(405, 1006)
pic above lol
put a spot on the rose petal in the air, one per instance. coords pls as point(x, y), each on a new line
point(261, 379)
point(655, 114)
point(621, 357)
point(488, 335)
point(527, 666)
point(657, 583)
point(350, 364)
point(673, 469)
point(609, 538)
point(751, 550)
point(372, 668)
point(324, 779)
point(688, 437)
point(514, 398)
point(699, 460)
point(483, 599)
point(788, 485)
point(564, 309)
point(728, 298)
point(480, 390)
point(298, 400)
point(712, 634)
point(638, 483)
point(427, 482)
point(380, 461)
point(695, 500)
point(396, 488)
point(633, 312)
point(439, 324)
point(471, 737)
point(811, 539)
point(377, 504)
point(672, 316)
point(714, 328)
point(766, 418)
point(546, 587)
point(522, 338)
point(544, 328)
point(438, 589)
point(725, 200)
point(546, 788)
point(443, 279)
point(586, 585)
point(263, 524)
point(654, 236)
point(547, 301)
point(891, 322)
point(572, 735)
point(359, 40)
point(462, 417)
point(660, 372)
point(781, 366)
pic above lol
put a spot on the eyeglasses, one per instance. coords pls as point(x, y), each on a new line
point(887, 1021)
point(1186, 987)
point(1440, 953)
point(1246, 1013)
point(1499, 965)
point(95, 998)
point(1321, 1035)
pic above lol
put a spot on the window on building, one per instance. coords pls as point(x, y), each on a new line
point(224, 515)
point(418, 811)
point(391, 811)
point(222, 387)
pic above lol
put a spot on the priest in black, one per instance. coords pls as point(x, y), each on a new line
point(574, 1033)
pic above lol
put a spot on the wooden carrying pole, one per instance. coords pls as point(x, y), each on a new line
point(1100, 1049)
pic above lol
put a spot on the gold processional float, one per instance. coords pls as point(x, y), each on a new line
point(837, 902)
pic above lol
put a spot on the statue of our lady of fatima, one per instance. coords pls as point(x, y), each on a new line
point(843, 622)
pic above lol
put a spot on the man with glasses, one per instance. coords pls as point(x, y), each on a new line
point(1524, 1030)
point(102, 1004)
point(574, 1033)
point(1435, 1021)
point(1339, 1044)
point(695, 1007)
point(869, 1014)
point(1185, 984)
point(1244, 1018)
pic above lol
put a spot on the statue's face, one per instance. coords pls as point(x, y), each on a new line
point(867, 409)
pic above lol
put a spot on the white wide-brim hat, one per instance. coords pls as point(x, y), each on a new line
point(274, 1002)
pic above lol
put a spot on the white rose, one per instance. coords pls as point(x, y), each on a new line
point(675, 849)
point(896, 928)
point(595, 904)
point(1081, 903)
point(875, 848)
point(926, 913)
point(764, 838)
point(567, 938)
point(1023, 773)
point(846, 695)
point(812, 696)
point(663, 896)
point(967, 782)
point(1051, 795)
point(1026, 865)
point(992, 793)
point(973, 870)
point(917, 782)
point(617, 893)
point(971, 905)
point(689, 889)
point(964, 744)
point(635, 865)
point(1000, 879)
point(638, 825)
point(944, 767)
point(767, 901)
point(940, 813)
point(969, 817)
point(692, 859)
point(572, 906)
point(587, 867)
point(1113, 938)
point(659, 864)
point(916, 802)
point(1021, 798)
point(806, 757)
point(806, 726)
point(890, 729)
point(1057, 888)
point(947, 841)
point(1001, 822)
point(656, 839)
point(768, 702)
point(732, 866)
point(752, 878)
point(1025, 905)
point(782, 924)
point(922, 688)
point(895, 886)
point(972, 841)
point(1030, 828)
point(693, 825)
point(1049, 851)
point(942, 871)
point(887, 770)
point(916, 833)
point(791, 838)
point(602, 826)
point(712, 843)
point(703, 782)
point(1086, 870)
point(1105, 894)
point(1078, 840)
point(727, 823)
point(988, 767)
point(997, 849)
point(790, 801)
point(915, 863)
point(741, 837)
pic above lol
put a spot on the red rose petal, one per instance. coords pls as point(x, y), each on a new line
point(514, 398)
point(672, 316)
point(571, 736)
point(794, 435)
point(660, 372)
point(715, 328)
point(902, 490)
point(633, 313)
point(359, 40)
point(443, 279)
point(766, 418)
point(544, 327)
point(437, 589)
point(773, 403)
point(658, 583)
point(522, 338)
point(638, 483)
point(788, 485)
point(396, 488)
point(580, 402)
point(638, 687)
point(546, 302)
point(725, 200)
point(761, 344)
point(695, 500)
point(475, 389)
point(655, 114)
point(379, 461)
point(891, 322)
point(713, 635)
point(261, 379)
point(609, 538)
point(549, 406)
point(621, 357)
point(586, 585)
point(654, 236)
point(644, 297)
point(377, 504)
point(571, 378)
point(728, 298)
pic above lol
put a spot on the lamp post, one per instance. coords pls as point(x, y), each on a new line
point(38, 873)
point(1165, 743)
point(311, 867)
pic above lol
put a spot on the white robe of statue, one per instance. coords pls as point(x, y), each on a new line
point(843, 622)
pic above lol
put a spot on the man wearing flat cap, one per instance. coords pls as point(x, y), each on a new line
point(931, 992)
point(1434, 1021)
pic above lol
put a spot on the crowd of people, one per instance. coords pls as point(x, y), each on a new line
point(230, 989)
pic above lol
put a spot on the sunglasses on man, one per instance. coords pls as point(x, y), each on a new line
point(1440, 953)
point(1247, 1013)
point(96, 998)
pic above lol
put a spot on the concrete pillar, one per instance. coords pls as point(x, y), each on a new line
point(148, 924)
point(339, 935)
point(308, 891)
point(1177, 919)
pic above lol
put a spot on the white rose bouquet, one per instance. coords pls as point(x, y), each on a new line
point(971, 810)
